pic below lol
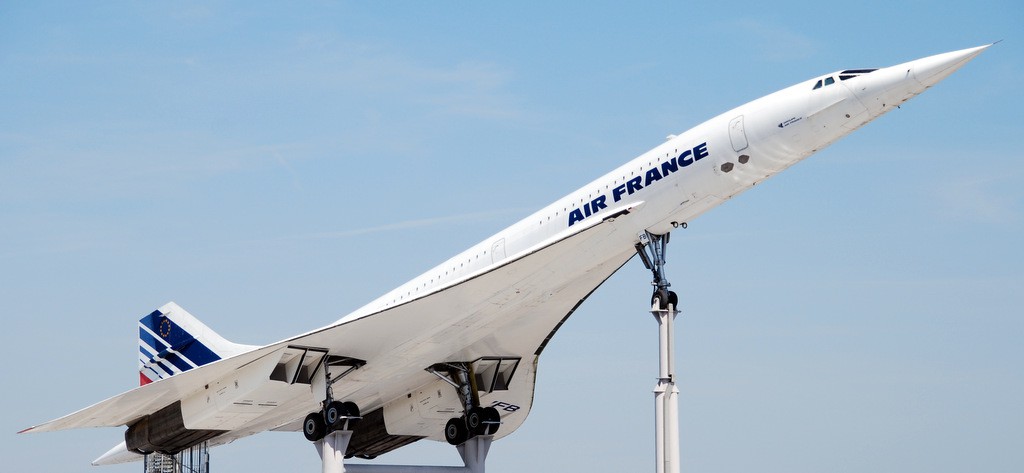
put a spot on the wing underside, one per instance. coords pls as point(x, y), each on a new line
point(508, 312)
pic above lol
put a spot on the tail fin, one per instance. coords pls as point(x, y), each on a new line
point(172, 341)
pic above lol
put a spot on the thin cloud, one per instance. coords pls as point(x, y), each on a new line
point(370, 72)
point(769, 42)
point(43, 165)
point(407, 224)
point(981, 199)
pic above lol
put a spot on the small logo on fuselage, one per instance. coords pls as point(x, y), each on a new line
point(790, 122)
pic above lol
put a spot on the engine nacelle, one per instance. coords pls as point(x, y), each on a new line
point(164, 432)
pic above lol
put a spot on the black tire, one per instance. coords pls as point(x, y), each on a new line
point(455, 431)
point(314, 427)
point(492, 420)
point(660, 298)
point(333, 413)
point(475, 421)
point(350, 409)
point(664, 299)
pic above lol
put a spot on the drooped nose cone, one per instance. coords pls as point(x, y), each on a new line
point(887, 88)
point(930, 70)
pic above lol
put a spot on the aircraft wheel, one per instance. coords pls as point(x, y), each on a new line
point(334, 411)
point(349, 409)
point(665, 298)
point(492, 420)
point(455, 431)
point(660, 297)
point(475, 421)
point(314, 427)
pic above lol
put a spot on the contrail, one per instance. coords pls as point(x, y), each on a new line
point(416, 223)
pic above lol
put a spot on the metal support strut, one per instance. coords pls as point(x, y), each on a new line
point(332, 452)
point(471, 433)
point(651, 249)
point(334, 416)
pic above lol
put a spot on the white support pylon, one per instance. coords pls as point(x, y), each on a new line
point(332, 450)
point(666, 394)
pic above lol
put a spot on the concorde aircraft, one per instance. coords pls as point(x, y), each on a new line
point(452, 354)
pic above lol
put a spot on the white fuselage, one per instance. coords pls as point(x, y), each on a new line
point(773, 133)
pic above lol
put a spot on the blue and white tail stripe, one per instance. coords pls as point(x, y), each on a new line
point(157, 358)
point(169, 355)
point(172, 341)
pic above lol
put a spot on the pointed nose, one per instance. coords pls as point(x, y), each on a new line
point(887, 88)
point(930, 70)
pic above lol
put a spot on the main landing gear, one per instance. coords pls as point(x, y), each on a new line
point(471, 433)
point(334, 415)
point(477, 420)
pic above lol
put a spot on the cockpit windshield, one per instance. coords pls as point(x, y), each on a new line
point(851, 73)
point(845, 75)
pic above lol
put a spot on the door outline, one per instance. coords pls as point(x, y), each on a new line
point(737, 134)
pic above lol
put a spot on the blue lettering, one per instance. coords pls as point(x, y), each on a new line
point(652, 176)
point(685, 159)
point(575, 216)
point(637, 183)
point(669, 167)
point(700, 151)
point(618, 191)
point(633, 185)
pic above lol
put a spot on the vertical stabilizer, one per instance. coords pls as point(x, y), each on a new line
point(172, 341)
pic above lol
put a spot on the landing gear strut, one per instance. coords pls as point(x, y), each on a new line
point(334, 415)
point(651, 249)
point(477, 420)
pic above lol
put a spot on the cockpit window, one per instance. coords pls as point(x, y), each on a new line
point(823, 82)
point(851, 73)
point(845, 75)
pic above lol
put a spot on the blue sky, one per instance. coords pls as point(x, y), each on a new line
point(271, 168)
